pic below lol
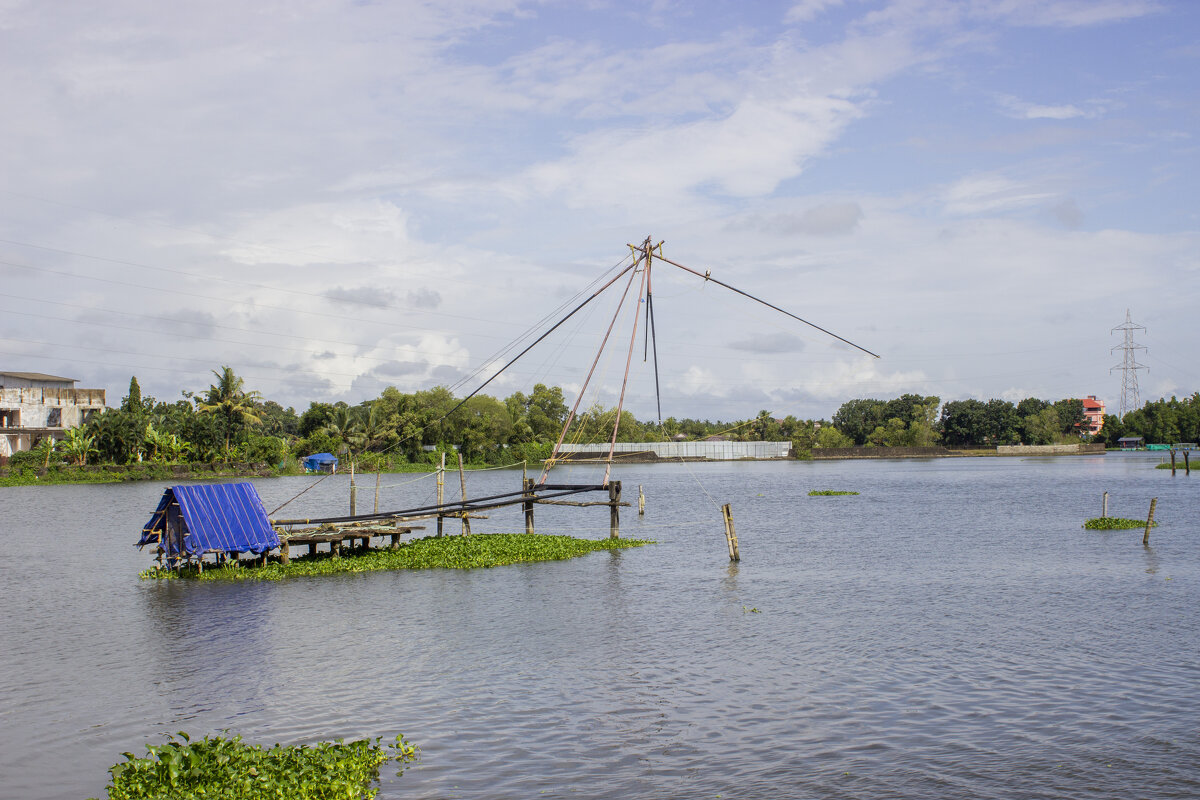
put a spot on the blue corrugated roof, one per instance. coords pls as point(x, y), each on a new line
point(226, 517)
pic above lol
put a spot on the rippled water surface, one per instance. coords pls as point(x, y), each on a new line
point(950, 632)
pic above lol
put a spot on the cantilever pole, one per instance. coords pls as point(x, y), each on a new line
point(571, 416)
point(628, 361)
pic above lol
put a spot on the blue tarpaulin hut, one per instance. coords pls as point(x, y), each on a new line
point(321, 462)
point(210, 518)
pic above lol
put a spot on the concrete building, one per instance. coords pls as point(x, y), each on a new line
point(33, 405)
point(1093, 410)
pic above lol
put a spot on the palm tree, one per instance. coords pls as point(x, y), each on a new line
point(344, 426)
point(231, 401)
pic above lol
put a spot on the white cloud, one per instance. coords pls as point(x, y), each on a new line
point(807, 10)
point(987, 194)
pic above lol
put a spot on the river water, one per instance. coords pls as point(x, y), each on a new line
point(950, 632)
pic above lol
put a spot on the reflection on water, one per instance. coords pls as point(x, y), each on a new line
point(952, 631)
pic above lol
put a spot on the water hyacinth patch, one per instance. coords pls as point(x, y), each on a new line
point(1116, 524)
point(452, 552)
point(827, 493)
point(219, 768)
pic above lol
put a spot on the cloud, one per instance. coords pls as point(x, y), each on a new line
point(396, 369)
point(989, 194)
point(828, 219)
point(348, 232)
point(807, 10)
point(362, 295)
point(1068, 214)
point(1021, 109)
point(773, 343)
point(424, 298)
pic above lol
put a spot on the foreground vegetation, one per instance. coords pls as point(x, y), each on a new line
point(219, 768)
point(1115, 524)
point(448, 552)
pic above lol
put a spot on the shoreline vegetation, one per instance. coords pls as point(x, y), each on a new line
point(481, 550)
point(228, 431)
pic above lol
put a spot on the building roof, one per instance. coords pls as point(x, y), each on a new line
point(224, 517)
point(37, 376)
point(1092, 403)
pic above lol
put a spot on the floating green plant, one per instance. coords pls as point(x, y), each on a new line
point(1115, 524)
point(453, 552)
point(219, 768)
point(827, 493)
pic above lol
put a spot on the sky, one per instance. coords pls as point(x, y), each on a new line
point(333, 197)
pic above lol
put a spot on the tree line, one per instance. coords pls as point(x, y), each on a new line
point(228, 423)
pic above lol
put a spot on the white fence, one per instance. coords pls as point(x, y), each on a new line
point(711, 451)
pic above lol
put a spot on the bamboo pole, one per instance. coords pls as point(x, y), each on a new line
point(641, 501)
point(614, 515)
point(462, 479)
point(730, 533)
point(1104, 506)
point(1149, 522)
point(353, 492)
point(527, 485)
point(1187, 469)
point(376, 491)
point(1172, 461)
point(441, 490)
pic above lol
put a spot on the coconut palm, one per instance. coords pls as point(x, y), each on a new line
point(344, 426)
point(228, 399)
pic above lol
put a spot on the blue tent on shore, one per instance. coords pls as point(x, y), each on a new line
point(321, 462)
point(210, 518)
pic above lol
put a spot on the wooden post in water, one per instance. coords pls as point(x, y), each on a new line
point(441, 491)
point(1149, 522)
point(1187, 469)
point(353, 492)
point(614, 511)
point(1172, 461)
point(285, 556)
point(462, 479)
point(730, 533)
point(641, 501)
point(377, 491)
point(1104, 506)
point(527, 485)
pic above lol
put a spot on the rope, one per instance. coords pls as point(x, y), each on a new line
point(406, 483)
point(289, 501)
point(716, 505)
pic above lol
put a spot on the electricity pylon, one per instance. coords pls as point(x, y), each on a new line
point(1129, 365)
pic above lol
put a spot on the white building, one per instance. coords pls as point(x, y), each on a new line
point(33, 405)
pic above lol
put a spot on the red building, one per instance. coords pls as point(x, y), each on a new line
point(1093, 410)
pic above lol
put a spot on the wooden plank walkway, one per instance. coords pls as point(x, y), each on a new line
point(337, 539)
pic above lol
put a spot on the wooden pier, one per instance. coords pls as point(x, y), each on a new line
point(384, 529)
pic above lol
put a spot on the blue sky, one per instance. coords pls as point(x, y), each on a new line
point(335, 197)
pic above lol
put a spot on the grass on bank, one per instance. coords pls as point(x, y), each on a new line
point(219, 768)
point(1116, 524)
point(448, 552)
point(828, 493)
